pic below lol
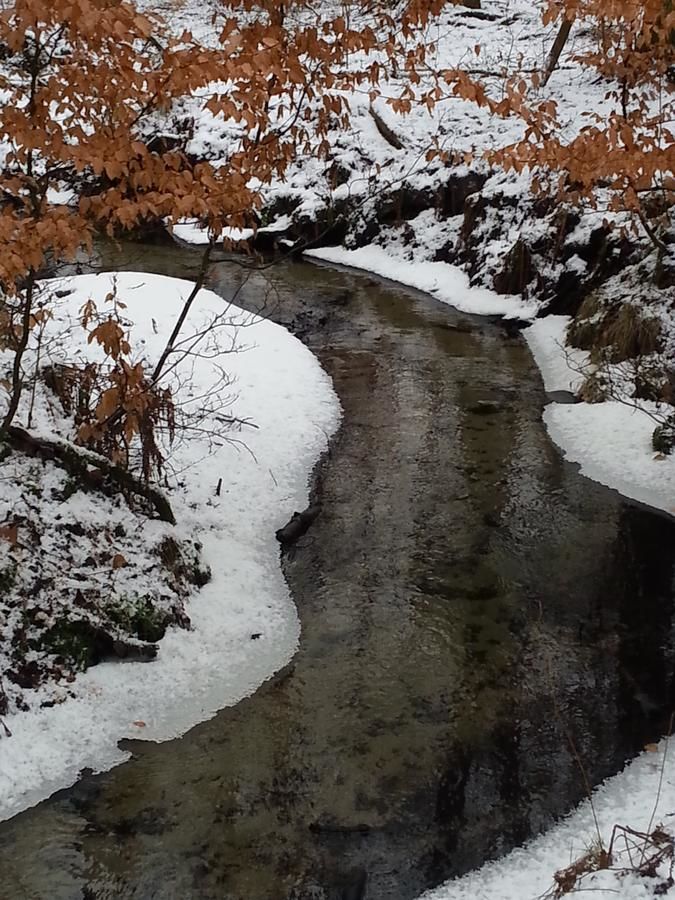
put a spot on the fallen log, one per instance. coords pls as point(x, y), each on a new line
point(297, 526)
point(91, 469)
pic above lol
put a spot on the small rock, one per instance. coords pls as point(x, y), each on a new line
point(463, 327)
point(485, 408)
point(562, 397)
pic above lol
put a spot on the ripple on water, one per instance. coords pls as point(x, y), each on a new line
point(466, 600)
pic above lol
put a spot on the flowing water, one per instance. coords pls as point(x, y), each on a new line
point(476, 618)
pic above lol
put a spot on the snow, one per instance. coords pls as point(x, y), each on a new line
point(512, 39)
point(628, 799)
point(447, 283)
point(281, 386)
point(61, 197)
point(611, 441)
point(560, 366)
point(192, 233)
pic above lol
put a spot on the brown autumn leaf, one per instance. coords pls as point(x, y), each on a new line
point(118, 561)
point(9, 532)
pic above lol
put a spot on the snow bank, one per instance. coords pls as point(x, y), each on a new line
point(526, 873)
point(445, 282)
point(559, 365)
point(193, 233)
point(612, 441)
point(282, 388)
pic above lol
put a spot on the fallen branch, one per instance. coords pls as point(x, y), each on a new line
point(91, 469)
point(390, 136)
point(297, 526)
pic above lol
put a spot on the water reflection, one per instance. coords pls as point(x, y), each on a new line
point(475, 617)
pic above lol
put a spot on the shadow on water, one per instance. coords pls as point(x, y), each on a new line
point(471, 608)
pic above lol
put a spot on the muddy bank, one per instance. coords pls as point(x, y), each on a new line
point(470, 606)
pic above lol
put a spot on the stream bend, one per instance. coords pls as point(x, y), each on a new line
point(471, 609)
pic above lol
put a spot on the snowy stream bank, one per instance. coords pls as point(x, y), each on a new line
point(281, 387)
point(386, 671)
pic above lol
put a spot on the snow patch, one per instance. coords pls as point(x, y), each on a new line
point(192, 233)
point(612, 441)
point(560, 365)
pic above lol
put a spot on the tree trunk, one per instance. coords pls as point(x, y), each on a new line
point(557, 48)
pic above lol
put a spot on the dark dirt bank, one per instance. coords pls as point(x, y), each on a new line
point(469, 603)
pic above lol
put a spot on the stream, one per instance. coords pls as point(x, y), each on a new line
point(479, 622)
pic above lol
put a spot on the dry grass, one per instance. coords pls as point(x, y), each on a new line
point(630, 334)
point(649, 854)
point(622, 329)
point(594, 389)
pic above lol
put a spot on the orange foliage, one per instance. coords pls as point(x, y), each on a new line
point(86, 78)
point(630, 152)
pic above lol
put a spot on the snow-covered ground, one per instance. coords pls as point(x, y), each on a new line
point(504, 38)
point(191, 233)
point(244, 624)
point(611, 441)
point(363, 170)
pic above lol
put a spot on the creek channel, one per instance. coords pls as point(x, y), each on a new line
point(477, 618)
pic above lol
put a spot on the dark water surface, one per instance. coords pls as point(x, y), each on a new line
point(471, 607)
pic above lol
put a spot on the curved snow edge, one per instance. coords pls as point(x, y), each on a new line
point(612, 444)
point(282, 386)
point(611, 441)
point(445, 282)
